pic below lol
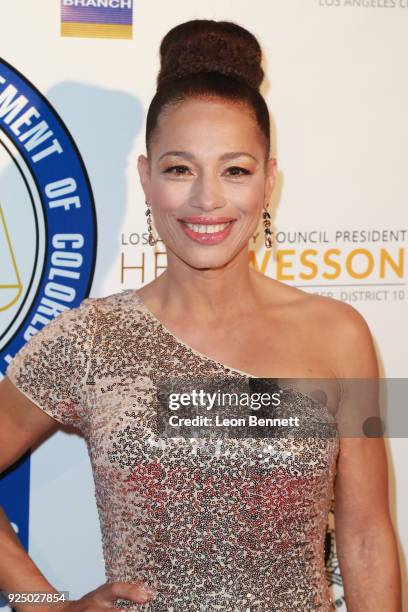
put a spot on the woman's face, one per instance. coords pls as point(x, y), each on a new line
point(206, 180)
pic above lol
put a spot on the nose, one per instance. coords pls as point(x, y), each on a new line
point(207, 193)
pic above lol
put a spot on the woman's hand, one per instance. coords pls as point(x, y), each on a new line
point(104, 596)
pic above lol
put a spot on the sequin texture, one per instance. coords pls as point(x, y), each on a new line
point(238, 526)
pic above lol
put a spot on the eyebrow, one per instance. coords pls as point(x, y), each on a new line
point(225, 156)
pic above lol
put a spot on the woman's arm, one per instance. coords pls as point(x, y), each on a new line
point(22, 423)
point(365, 539)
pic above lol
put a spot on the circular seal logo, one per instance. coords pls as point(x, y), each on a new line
point(47, 215)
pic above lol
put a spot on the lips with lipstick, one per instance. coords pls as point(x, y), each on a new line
point(207, 230)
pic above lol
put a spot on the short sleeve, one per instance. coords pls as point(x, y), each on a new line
point(51, 369)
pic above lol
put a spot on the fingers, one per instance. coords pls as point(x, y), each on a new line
point(137, 592)
point(104, 596)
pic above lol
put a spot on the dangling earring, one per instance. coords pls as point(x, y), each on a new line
point(267, 228)
point(152, 240)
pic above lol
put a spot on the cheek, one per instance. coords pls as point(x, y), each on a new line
point(169, 195)
point(247, 197)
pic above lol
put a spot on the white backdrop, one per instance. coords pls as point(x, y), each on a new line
point(338, 94)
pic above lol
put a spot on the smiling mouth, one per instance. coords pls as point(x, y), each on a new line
point(207, 228)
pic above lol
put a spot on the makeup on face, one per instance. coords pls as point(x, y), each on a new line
point(207, 230)
point(207, 178)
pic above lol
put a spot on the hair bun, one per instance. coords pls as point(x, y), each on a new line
point(203, 45)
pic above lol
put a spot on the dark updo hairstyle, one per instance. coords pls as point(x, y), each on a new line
point(205, 59)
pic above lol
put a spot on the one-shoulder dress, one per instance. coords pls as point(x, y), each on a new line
point(241, 529)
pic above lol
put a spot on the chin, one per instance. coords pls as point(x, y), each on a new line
point(210, 264)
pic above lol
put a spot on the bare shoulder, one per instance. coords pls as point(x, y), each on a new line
point(336, 315)
point(318, 308)
point(336, 327)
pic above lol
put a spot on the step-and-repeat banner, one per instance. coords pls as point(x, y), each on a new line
point(76, 79)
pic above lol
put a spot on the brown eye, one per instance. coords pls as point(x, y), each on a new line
point(238, 171)
point(177, 170)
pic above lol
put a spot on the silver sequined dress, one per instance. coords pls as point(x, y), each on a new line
point(239, 530)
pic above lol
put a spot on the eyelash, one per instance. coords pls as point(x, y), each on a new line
point(243, 171)
point(169, 170)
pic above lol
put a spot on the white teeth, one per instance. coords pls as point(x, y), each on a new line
point(207, 229)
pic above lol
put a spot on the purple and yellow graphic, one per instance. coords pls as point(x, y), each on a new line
point(96, 18)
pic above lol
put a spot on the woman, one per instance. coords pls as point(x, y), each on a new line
point(242, 529)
